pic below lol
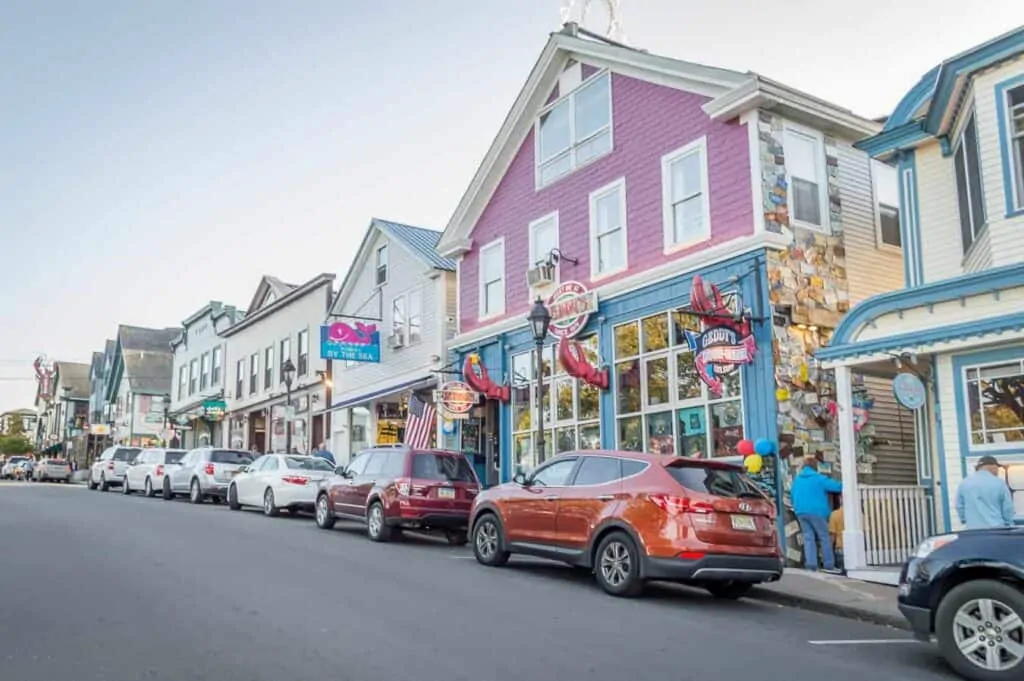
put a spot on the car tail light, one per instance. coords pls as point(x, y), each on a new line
point(110, 465)
point(159, 469)
point(403, 486)
point(675, 506)
point(210, 469)
point(295, 479)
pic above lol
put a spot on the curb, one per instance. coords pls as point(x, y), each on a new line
point(828, 608)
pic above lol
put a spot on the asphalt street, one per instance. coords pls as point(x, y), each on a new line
point(99, 586)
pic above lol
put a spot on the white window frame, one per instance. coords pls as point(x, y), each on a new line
point(377, 265)
point(697, 146)
point(903, 180)
point(283, 356)
point(961, 136)
point(821, 166)
point(216, 366)
point(1016, 179)
point(193, 376)
point(573, 143)
point(182, 381)
point(484, 313)
point(255, 377)
point(268, 365)
point(966, 408)
point(415, 294)
point(205, 362)
point(299, 369)
point(618, 185)
point(396, 326)
point(544, 221)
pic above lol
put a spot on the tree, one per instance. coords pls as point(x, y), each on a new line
point(14, 444)
point(14, 425)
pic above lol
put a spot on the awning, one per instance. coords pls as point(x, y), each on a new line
point(408, 385)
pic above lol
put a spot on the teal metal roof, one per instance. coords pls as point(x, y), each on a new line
point(422, 242)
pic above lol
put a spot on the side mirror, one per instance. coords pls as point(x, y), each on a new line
point(341, 471)
point(520, 479)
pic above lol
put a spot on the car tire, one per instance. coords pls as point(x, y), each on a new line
point(489, 541)
point(270, 508)
point(729, 590)
point(962, 601)
point(617, 566)
point(233, 499)
point(148, 489)
point(125, 488)
point(376, 524)
point(166, 492)
point(456, 537)
point(104, 485)
point(324, 515)
point(92, 485)
point(195, 492)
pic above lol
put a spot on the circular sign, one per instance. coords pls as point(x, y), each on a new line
point(456, 397)
point(570, 305)
point(909, 390)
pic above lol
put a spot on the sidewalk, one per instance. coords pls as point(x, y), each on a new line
point(834, 595)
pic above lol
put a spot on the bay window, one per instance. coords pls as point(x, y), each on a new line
point(995, 403)
point(574, 130)
point(661, 404)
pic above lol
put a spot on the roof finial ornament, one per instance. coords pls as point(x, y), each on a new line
point(576, 11)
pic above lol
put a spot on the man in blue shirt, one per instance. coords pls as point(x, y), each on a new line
point(811, 504)
point(983, 500)
point(324, 453)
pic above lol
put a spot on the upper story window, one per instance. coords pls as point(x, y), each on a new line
point(969, 195)
point(1015, 143)
point(415, 313)
point(407, 316)
point(204, 371)
point(492, 279)
point(805, 170)
point(182, 382)
point(398, 315)
point(193, 376)
point(286, 354)
point(686, 205)
point(239, 378)
point(887, 204)
point(574, 130)
point(302, 367)
point(543, 238)
point(254, 372)
point(268, 368)
point(218, 362)
point(381, 265)
point(608, 229)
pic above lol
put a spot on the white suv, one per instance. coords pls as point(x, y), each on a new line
point(146, 473)
point(108, 471)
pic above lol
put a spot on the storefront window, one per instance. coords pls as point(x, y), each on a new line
point(662, 405)
point(994, 396)
point(571, 408)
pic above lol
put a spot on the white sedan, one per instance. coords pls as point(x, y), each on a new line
point(277, 481)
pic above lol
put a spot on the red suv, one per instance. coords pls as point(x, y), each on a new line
point(633, 517)
point(395, 488)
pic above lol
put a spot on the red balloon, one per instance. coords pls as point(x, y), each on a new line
point(745, 447)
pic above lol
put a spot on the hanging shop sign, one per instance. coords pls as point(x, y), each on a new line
point(724, 343)
point(570, 305)
point(99, 429)
point(456, 398)
point(353, 343)
point(573, 358)
point(214, 410)
point(909, 390)
point(476, 376)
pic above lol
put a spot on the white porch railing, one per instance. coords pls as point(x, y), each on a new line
point(896, 519)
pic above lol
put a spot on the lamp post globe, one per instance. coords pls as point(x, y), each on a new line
point(540, 319)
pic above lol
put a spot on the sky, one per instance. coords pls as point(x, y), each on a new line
point(158, 155)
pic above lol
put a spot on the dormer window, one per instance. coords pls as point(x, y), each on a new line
point(574, 130)
point(381, 264)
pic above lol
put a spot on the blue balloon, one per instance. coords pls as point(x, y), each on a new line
point(764, 447)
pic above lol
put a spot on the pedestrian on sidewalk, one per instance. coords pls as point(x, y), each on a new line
point(324, 453)
point(836, 525)
point(983, 500)
point(810, 503)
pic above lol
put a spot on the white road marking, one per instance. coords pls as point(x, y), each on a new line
point(867, 641)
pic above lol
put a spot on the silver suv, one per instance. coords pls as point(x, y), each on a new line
point(205, 473)
point(108, 470)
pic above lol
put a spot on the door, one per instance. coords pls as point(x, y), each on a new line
point(359, 490)
point(181, 475)
point(341, 487)
point(592, 496)
point(247, 482)
point(531, 512)
point(258, 486)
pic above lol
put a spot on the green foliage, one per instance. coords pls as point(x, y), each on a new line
point(14, 426)
point(15, 444)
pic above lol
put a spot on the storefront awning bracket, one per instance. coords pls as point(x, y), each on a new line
point(379, 295)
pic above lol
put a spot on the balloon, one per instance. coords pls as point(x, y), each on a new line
point(745, 447)
point(764, 447)
point(754, 463)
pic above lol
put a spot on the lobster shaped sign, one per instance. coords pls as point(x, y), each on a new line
point(724, 342)
point(481, 381)
point(574, 359)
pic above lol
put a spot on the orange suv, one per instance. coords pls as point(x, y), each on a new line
point(632, 517)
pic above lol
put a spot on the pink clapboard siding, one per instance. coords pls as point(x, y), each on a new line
point(649, 121)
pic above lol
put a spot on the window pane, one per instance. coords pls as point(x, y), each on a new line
point(545, 239)
point(1001, 404)
point(494, 296)
point(493, 262)
point(565, 440)
point(688, 383)
point(966, 230)
point(681, 323)
point(565, 399)
point(609, 212)
point(686, 177)
point(556, 167)
point(688, 220)
point(590, 436)
point(655, 331)
point(727, 427)
point(627, 340)
point(594, 147)
point(522, 417)
point(730, 386)
point(801, 156)
point(598, 470)
point(522, 368)
point(974, 176)
point(522, 450)
point(397, 315)
point(610, 252)
point(693, 432)
point(657, 381)
point(889, 225)
point(556, 474)
point(806, 201)
point(593, 110)
point(589, 401)
point(630, 435)
point(627, 386)
point(887, 188)
point(660, 439)
point(554, 131)
point(545, 402)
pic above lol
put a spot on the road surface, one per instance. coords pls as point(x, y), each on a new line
point(103, 587)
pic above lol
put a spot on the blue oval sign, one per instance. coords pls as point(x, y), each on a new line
point(909, 391)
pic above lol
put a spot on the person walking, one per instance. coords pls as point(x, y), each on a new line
point(811, 504)
point(983, 500)
point(324, 453)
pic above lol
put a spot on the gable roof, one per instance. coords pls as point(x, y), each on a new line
point(216, 309)
point(419, 242)
point(149, 373)
point(141, 339)
point(291, 294)
point(270, 290)
point(76, 375)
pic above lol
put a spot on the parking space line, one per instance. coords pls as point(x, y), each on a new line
point(861, 642)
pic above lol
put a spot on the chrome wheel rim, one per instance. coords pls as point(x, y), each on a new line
point(321, 511)
point(616, 563)
point(268, 502)
point(376, 520)
point(990, 634)
point(487, 540)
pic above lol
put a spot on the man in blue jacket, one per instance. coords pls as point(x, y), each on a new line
point(811, 504)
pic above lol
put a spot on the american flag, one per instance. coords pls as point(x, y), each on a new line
point(420, 423)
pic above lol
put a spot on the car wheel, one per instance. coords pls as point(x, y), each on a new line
point(618, 566)
point(980, 629)
point(104, 485)
point(166, 492)
point(125, 489)
point(92, 485)
point(195, 493)
point(456, 537)
point(324, 515)
point(270, 509)
point(729, 590)
point(148, 487)
point(233, 499)
point(488, 543)
point(376, 525)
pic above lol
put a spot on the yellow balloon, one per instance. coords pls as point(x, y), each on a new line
point(754, 463)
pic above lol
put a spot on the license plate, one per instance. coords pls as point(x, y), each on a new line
point(743, 522)
point(445, 493)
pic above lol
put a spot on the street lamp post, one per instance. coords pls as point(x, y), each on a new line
point(66, 399)
point(540, 319)
point(288, 371)
point(167, 419)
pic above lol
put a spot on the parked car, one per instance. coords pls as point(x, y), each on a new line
point(23, 470)
point(58, 470)
point(7, 472)
point(633, 517)
point(277, 481)
point(108, 470)
point(146, 471)
point(205, 473)
point(391, 489)
point(967, 590)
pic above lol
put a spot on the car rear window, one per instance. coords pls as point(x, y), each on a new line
point(173, 455)
point(442, 467)
point(17, 459)
point(230, 456)
point(125, 454)
point(56, 462)
point(308, 463)
point(715, 480)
